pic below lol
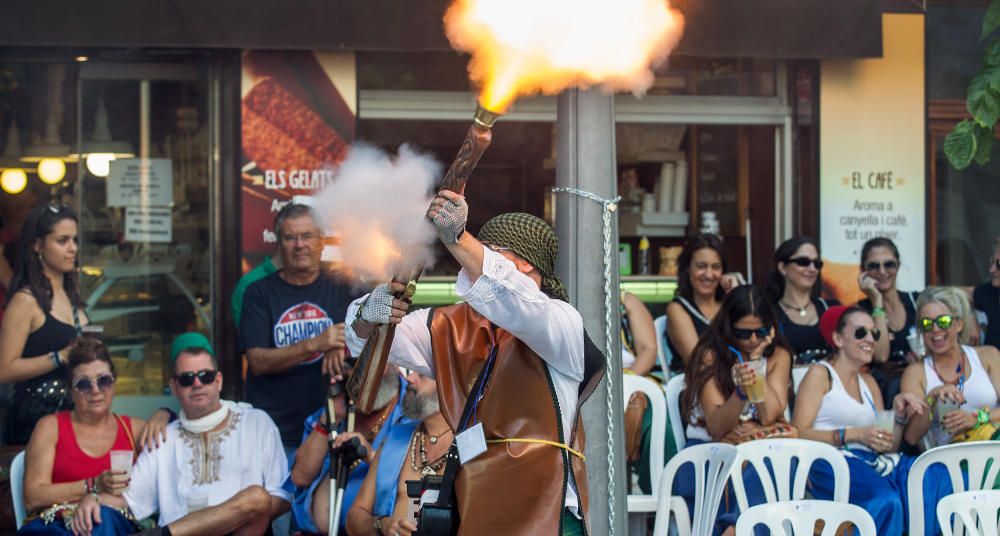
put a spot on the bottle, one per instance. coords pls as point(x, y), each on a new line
point(644, 260)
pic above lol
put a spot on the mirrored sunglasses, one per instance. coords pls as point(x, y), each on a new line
point(186, 379)
point(745, 334)
point(102, 382)
point(927, 324)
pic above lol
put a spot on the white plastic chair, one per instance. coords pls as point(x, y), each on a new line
point(641, 504)
point(673, 393)
point(975, 455)
point(975, 511)
point(17, 487)
point(785, 486)
point(712, 464)
point(663, 354)
point(801, 518)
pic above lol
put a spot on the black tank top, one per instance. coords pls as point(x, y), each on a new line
point(54, 335)
point(700, 325)
point(808, 345)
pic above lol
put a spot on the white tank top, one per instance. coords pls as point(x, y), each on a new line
point(977, 388)
point(838, 409)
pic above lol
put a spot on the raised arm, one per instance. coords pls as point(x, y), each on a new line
point(643, 333)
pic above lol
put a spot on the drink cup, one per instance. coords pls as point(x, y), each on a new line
point(885, 419)
point(755, 391)
point(944, 407)
point(916, 341)
point(121, 461)
point(197, 500)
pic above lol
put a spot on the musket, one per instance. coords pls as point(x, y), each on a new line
point(363, 383)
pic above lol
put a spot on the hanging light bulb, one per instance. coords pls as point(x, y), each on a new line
point(51, 170)
point(13, 180)
point(99, 164)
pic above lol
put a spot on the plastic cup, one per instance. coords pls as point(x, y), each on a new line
point(755, 391)
point(885, 419)
point(916, 341)
point(944, 407)
point(197, 500)
point(121, 461)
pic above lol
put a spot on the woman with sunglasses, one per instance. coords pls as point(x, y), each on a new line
point(717, 403)
point(701, 287)
point(793, 289)
point(840, 404)
point(894, 311)
point(952, 374)
point(69, 454)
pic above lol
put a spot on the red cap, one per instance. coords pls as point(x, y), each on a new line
point(828, 322)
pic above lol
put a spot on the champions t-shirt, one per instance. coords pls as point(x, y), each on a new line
point(277, 314)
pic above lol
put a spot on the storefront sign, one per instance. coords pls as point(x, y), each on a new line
point(298, 123)
point(872, 162)
point(148, 224)
point(140, 182)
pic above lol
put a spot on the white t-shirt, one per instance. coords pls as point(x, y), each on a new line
point(216, 465)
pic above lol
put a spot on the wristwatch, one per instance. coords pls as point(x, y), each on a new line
point(378, 524)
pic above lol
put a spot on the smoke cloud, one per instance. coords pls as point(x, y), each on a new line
point(376, 205)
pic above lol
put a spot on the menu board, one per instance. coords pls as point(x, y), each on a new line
point(718, 176)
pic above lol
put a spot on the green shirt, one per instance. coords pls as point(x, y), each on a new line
point(261, 271)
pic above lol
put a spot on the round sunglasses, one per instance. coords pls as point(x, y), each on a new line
point(944, 322)
point(745, 334)
point(87, 385)
point(861, 332)
point(205, 376)
point(888, 266)
point(806, 261)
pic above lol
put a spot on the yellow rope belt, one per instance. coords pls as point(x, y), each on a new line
point(556, 444)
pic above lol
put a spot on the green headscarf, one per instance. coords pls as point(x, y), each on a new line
point(191, 339)
point(533, 240)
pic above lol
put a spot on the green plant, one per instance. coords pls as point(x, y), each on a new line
point(972, 140)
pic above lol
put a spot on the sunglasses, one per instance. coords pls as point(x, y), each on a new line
point(102, 382)
point(186, 379)
point(927, 324)
point(806, 261)
point(861, 332)
point(888, 266)
point(745, 334)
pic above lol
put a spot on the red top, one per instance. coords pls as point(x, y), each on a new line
point(72, 464)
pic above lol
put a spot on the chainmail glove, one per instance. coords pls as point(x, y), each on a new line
point(450, 220)
point(378, 306)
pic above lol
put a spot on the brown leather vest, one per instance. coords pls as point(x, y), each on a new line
point(513, 488)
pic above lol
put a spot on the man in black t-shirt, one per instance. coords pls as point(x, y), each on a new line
point(292, 327)
point(986, 298)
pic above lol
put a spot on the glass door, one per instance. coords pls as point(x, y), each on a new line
point(145, 205)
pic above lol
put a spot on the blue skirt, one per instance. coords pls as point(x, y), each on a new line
point(113, 523)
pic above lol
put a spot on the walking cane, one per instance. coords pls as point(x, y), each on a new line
point(348, 453)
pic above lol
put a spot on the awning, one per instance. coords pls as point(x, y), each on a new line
point(716, 28)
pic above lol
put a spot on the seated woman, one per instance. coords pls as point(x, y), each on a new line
point(952, 373)
point(717, 404)
point(638, 335)
point(894, 311)
point(793, 289)
point(699, 295)
point(839, 404)
point(69, 453)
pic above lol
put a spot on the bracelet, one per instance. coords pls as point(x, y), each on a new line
point(54, 356)
point(843, 436)
point(901, 421)
point(91, 485)
point(173, 416)
point(877, 311)
point(321, 428)
point(982, 417)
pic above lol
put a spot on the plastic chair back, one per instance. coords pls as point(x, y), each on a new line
point(658, 405)
point(799, 518)
point(772, 460)
point(17, 487)
point(663, 354)
point(712, 464)
point(973, 456)
point(673, 393)
point(975, 513)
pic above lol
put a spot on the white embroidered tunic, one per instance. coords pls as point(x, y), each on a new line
point(245, 451)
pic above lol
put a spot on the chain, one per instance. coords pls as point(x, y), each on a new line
point(608, 206)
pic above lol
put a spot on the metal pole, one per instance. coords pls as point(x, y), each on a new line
point(586, 161)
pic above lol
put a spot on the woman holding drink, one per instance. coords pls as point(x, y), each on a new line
point(737, 385)
point(961, 382)
point(841, 405)
point(81, 451)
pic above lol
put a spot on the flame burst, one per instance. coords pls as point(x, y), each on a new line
point(521, 47)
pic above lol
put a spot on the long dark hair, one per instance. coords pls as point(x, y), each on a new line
point(878, 242)
point(745, 300)
point(775, 286)
point(28, 272)
point(697, 242)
